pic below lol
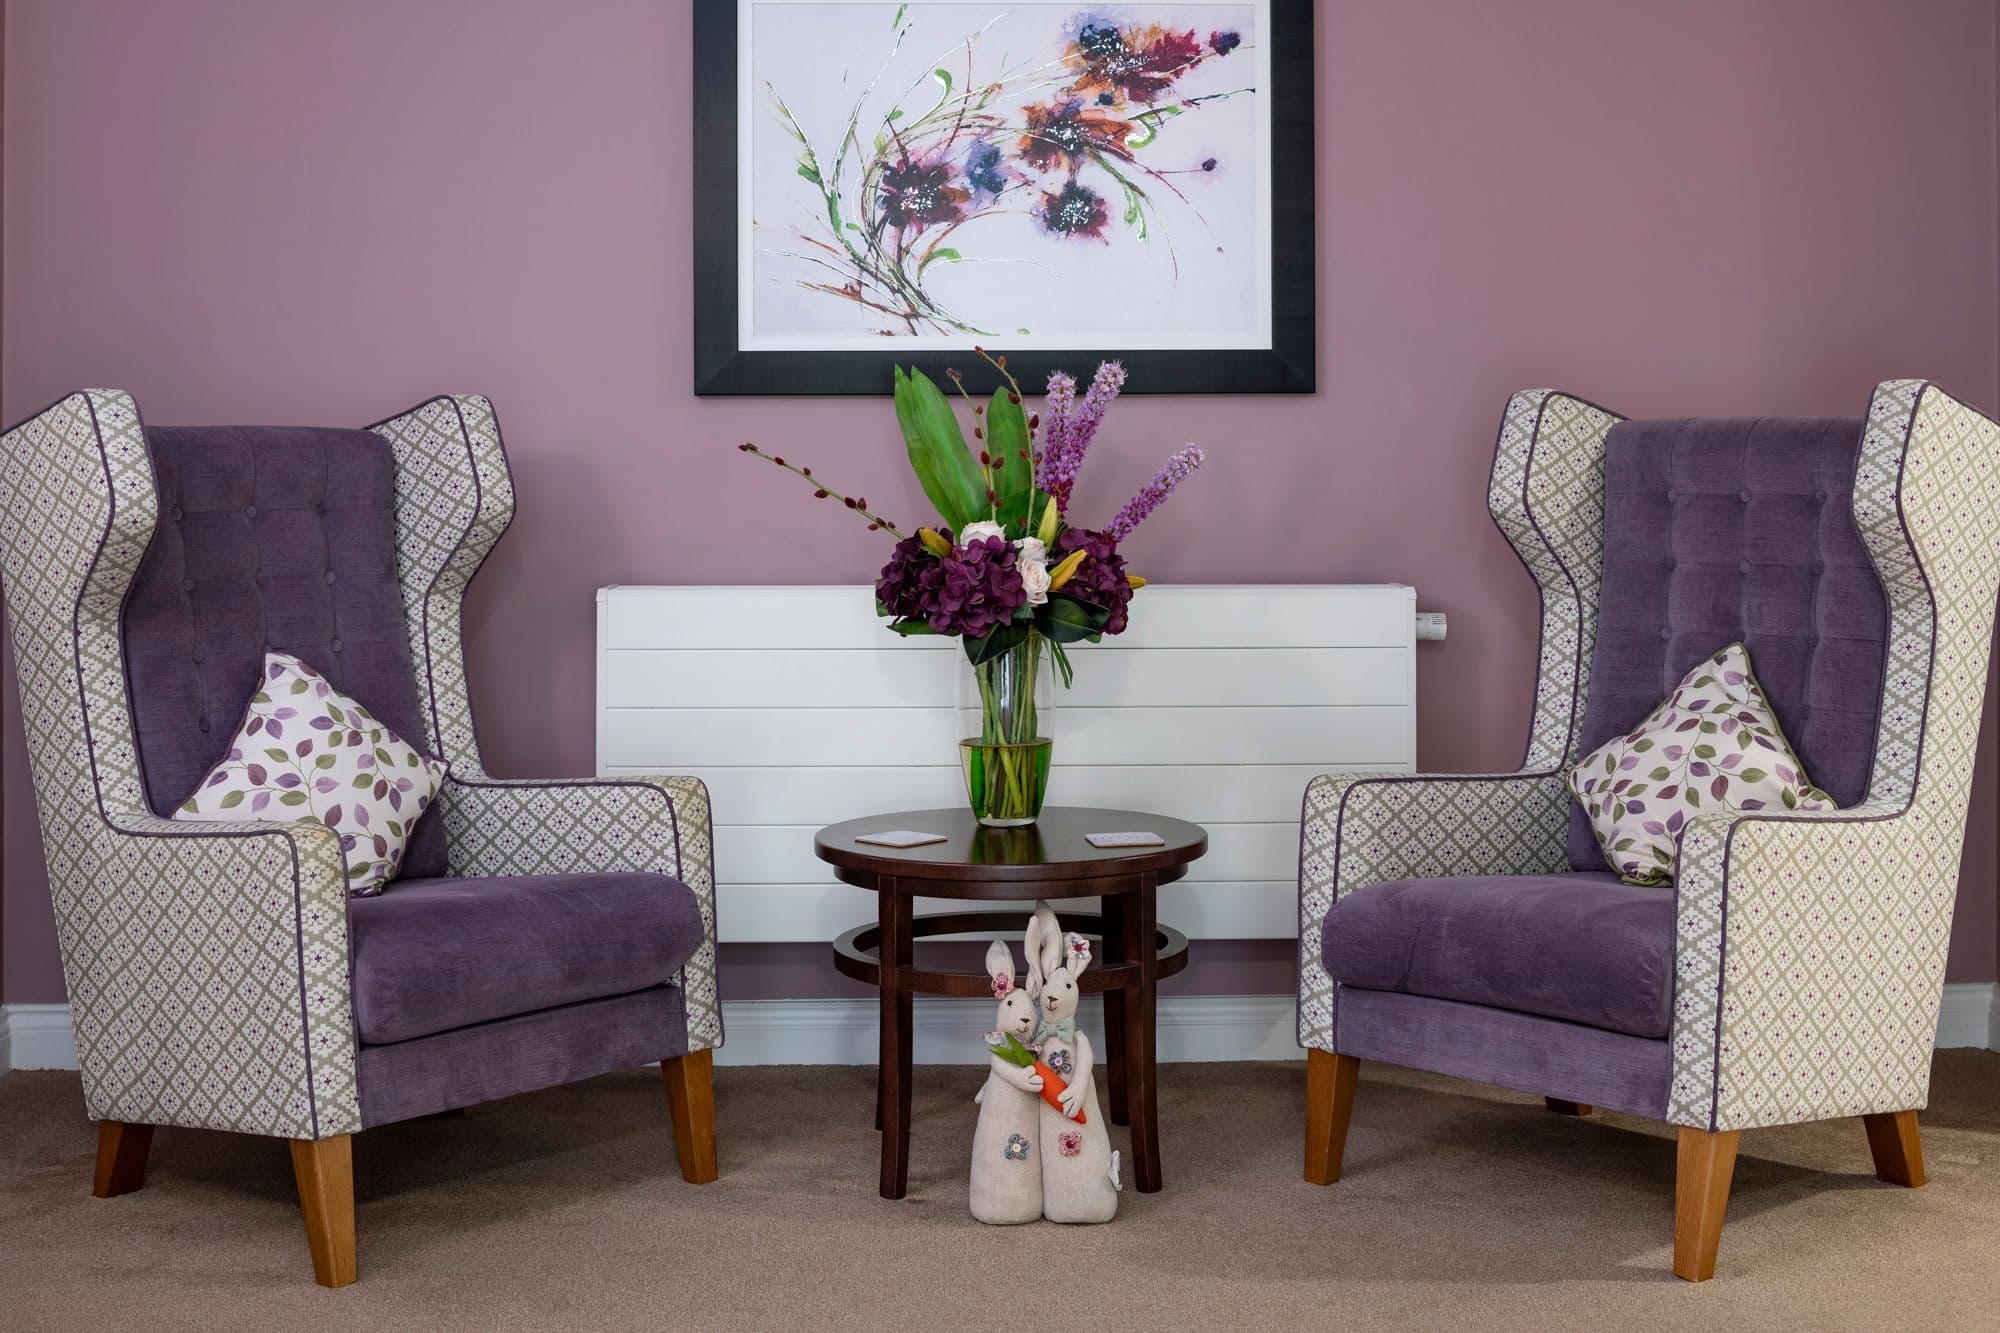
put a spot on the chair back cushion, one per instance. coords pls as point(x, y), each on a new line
point(269, 537)
point(1739, 530)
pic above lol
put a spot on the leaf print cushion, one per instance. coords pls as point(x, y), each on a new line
point(307, 752)
point(1714, 744)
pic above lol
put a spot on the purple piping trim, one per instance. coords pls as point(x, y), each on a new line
point(1916, 766)
point(90, 749)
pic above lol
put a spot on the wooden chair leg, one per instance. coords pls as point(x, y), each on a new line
point(691, 1101)
point(1330, 1083)
point(121, 1157)
point(324, 1169)
point(1561, 1107)
point(1899, 1152)
point(1701, 1195)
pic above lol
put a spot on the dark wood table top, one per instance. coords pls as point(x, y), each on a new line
point(1049, 850)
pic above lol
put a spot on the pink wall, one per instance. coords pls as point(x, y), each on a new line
point(242, 211)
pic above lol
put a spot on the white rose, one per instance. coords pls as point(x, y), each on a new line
point(1033, 562)
point(973, 532)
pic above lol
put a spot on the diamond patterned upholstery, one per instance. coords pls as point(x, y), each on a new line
point(207, 964)
point(1809, 949)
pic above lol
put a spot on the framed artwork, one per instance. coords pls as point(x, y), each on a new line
point(882, 183)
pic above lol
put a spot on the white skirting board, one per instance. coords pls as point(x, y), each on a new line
point(835, 1032)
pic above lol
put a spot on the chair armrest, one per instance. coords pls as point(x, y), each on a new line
point(1361, 829)
point(501, 826)
point(1809, 951)
point(210, 985)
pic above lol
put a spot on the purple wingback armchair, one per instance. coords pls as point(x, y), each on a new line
point(1794, 970)
point(219, 975)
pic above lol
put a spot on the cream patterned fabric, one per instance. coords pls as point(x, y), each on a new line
point(1811, 948)
point(1810, 945)
point(1547, 496)
point(207, 964)
point(454, 497)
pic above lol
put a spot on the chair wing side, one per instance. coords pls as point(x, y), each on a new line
point(1811, 948)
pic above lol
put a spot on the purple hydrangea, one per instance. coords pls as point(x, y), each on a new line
point(1100, 580)
point(898, 587)
point(974, 590)
point(1153, 492)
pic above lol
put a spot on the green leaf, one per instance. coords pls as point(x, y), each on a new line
point(949, 475)
point(260, 698)
point(1753, 775)
point(278, 756)
point(190, 806)
point(299, 685)
point(1007, 438)
point(806, 170)
point(906, 628)
point(942, 254)
point(292, 798)
point(232, 800)
point(943, 76)
point(1013, 1052)
point(999, 641)
point(1062, 662)
point(1066, 620)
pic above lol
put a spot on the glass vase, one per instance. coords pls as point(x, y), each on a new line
point(1003, 709)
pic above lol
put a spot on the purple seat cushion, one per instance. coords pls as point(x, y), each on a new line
point(1718, 531)
point(267, 537)
point(431, 955)
point(1583, 947)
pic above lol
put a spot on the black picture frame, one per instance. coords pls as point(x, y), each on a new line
point(722, 367)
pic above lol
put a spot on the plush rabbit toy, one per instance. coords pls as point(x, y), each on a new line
point(1006, 1166)
point(1079, 1170)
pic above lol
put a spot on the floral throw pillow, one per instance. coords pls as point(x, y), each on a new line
point(307, 752)
point(1714, 744)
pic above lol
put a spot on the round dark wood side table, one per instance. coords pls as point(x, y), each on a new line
point(1048, 859)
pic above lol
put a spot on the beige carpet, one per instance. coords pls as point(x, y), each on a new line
point(1462, 1207)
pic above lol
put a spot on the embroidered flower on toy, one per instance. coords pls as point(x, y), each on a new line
point(1069, 1142)
point(1017, 1148)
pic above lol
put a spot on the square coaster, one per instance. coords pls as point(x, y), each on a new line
point(902, 837)
point(1124, 840)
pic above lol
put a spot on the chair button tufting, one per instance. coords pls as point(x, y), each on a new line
point(1673, 496)
point(195, 658)
point(1671, 562)
point(336, 645)
point(260, 578)
point(203, 724)
point(329, 576)
point(187, 585)
point(1819, 498)
point(1744, 496)
point(1742, 566)
point(1666, 632)
point(176, 513)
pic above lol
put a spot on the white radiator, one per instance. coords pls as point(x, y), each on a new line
point(798, 709)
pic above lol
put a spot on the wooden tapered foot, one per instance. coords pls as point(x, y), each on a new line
point(324, 1169)
point(1706, 1162)
point(1899, 1152)
point(121, 1157)
point(1561, 1107)
point(691, 1102)
point(1330, 1081)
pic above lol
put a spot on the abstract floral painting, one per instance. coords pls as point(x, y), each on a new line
point(1039, 176)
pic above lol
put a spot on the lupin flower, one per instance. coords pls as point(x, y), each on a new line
point(1153, 492)
point(1065, 443)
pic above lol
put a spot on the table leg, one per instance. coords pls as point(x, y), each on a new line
point(1115, 946)
point(894, 910)
point(1141, 923)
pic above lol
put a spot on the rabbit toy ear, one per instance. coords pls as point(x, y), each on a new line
point(1051, 938)
point(1000, 966)
point(1032, 944)
point(1076, 949)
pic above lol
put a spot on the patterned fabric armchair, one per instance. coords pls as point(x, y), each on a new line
point(1468, 925)
point(219, 975)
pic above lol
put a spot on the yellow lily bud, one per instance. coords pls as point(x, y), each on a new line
point(933, 542)
point(1135, 581)
point(1062, 572)
point(1051, 520)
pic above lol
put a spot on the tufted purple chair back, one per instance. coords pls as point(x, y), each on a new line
point(268, 537)
point(1720, 530)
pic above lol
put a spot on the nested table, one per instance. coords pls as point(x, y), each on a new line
point(1048, 859)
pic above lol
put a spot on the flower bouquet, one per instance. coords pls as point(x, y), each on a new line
point(1003, 569)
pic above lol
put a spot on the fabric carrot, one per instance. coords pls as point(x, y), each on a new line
point(1015, 1053)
